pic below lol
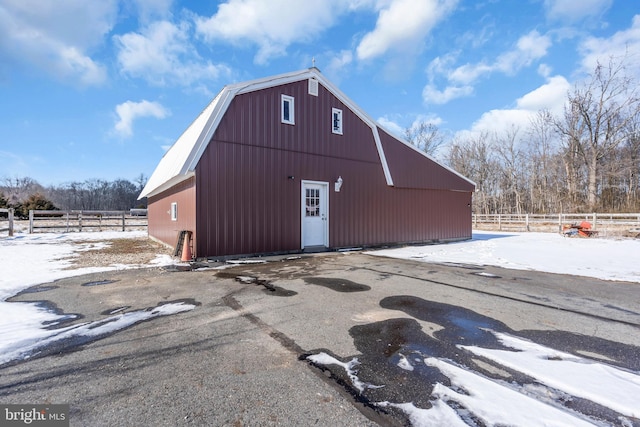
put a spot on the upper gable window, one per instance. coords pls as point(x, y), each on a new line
point(287, 110)
point(336, 121)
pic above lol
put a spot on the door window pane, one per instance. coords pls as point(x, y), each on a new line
point(312, 202)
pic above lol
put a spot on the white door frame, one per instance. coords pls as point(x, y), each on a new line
point(324, 209)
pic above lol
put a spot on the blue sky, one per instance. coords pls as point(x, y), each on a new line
point(99, 89)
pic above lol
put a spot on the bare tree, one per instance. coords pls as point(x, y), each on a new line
point(475, 159)
point(511, 159)
point(17, 190)
point(546, 176)
point(630, 160)
point(594, 123)
point(426, 136)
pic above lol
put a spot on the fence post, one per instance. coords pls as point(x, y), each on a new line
point(122, 220)
point(30, 221)
point(595, 219)
point(67, 221)
point(80, 221)
point(559, 223)
point(10, 222)
point(500, 222)
point(526, 220)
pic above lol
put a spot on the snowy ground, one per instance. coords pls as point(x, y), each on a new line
point(605, 259)
point(27, 260)
point(31, 259)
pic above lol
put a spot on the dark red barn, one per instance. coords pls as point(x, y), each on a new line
point(289, 163)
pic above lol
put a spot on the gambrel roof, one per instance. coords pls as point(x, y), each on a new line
point(180, 161)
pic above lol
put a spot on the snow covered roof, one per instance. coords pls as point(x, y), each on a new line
point(179, 162)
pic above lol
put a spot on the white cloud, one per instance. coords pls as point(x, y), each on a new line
point(544, 70)
point(469, 73)
point(340, 60)
point(163, 54)
point(459, 81)
point(550, 96)
point(432, 95)
point(403, 24)
point(272, 25)
point(622, 43)
point(573, 11)
point(56, 36)
point(529, 48)
point(442, 65)
point(148, 9)
point(129, 111)
point(337, 63)
point(391, 126)
point(396, 129)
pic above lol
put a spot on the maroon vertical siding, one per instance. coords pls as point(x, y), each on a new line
point(161, 226)
point(247, 203)
point(411, 169)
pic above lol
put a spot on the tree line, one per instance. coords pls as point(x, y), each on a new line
point(586, 159)
point(24, 194)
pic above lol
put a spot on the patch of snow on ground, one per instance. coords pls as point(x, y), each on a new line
point(325, 359)
point(600, 258)
point(403, 363)
point(440, 414)
point(21, 348)
point(600, 383)
point(486, 401)
point(31, 259)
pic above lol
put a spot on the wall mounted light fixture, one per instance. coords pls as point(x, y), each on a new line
point(338, 184)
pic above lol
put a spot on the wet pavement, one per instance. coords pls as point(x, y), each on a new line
point(241, 356)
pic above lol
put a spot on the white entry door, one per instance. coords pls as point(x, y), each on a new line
point(315, 217)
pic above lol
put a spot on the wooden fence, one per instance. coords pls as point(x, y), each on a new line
point(9, 227)
point(624, 223)
point(85, 220)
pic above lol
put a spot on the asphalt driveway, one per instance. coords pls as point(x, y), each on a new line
point(240, 357)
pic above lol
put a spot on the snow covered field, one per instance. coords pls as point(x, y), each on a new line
point(605, 259)
point(27, 260)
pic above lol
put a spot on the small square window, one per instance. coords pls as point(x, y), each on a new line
point(174, 211)
point(287, 110)
point(336, 121)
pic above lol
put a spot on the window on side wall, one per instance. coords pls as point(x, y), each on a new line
point(174, 211)
point(287, 110)
point(336, 121)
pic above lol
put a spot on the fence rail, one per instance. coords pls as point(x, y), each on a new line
point(614, 223)
point(84, 220)
point(10, 214)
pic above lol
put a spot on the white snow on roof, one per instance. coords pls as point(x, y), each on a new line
point(172, 163)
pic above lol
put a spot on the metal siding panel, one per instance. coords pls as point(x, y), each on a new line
point(161, 226)
point(249, 205)
point(413, 170)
